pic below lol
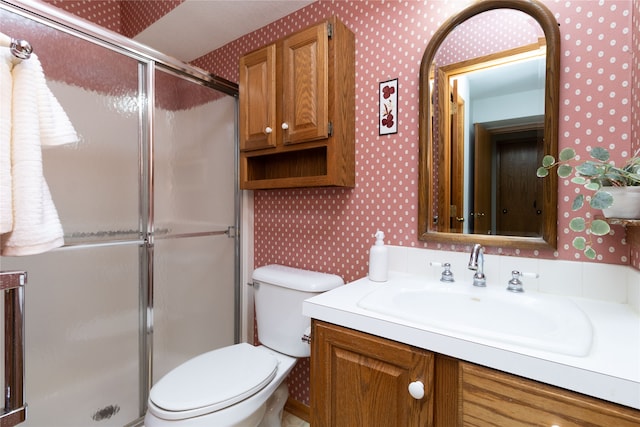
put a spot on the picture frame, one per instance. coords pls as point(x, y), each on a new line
point(388, 116)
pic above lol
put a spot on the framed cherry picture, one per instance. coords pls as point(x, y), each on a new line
point(388, 118)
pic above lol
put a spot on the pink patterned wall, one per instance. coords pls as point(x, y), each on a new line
point(331, 229)
point(122, 16)
point(600, 45)
point(635, 80)
point(635, 116)
point(105, 13)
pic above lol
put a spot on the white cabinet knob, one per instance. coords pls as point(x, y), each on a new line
point(416, 390)
point(268, 130)
point(285, 126)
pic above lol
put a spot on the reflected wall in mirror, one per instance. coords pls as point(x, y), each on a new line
point(488, 113)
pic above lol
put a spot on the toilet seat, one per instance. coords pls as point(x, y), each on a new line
point(213, 381)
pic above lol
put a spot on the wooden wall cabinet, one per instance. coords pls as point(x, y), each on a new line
point(297, 110)
point(361, 380)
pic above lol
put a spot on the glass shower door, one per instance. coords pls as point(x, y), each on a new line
point(194, 206)
point(81, 332)
point(82, 301)
point(148, 215)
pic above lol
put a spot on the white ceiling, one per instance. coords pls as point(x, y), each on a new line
point(197, 27)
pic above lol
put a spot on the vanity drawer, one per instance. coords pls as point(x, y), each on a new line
point(493, 398)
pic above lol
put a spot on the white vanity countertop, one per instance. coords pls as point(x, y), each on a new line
point(611, 371)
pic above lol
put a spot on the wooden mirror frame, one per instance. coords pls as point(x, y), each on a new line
point(549, 25)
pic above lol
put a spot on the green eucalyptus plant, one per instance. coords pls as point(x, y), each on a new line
point(594, 175)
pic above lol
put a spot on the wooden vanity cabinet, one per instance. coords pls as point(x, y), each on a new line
point(361, 380)
point(493, 398)
point(297, 110)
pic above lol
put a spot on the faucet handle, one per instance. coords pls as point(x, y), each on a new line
point(447, 274)
point(515, 284)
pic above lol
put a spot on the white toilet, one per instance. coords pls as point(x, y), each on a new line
point(243, 385)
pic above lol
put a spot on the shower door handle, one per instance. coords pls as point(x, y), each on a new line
point(15, 408)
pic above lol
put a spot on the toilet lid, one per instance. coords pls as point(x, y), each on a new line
point(215, 380)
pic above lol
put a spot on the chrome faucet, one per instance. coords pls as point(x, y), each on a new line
point(476, 263)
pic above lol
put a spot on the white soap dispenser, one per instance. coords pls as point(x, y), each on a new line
point(379, 260)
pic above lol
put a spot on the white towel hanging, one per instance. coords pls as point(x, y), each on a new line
point(37, 119)
point(6, 215)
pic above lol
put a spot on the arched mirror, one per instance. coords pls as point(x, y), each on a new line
point(488, 113)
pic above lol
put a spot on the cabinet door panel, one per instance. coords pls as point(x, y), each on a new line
point(258, 99)
point(305, 71)
point(362, 380)
point(492, 398)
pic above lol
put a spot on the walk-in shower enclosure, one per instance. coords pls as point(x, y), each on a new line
point(148, 200)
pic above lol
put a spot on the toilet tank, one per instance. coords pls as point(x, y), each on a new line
point(278, 294)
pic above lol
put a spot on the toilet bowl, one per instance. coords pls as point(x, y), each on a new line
point(184, 400)
point(244, 385)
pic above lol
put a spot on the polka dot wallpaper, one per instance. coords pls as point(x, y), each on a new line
point(634, 234)
point(125, 17)
point(600, 107)
point(138, 15)
point(105, 13)
point(635, 83)
point(332, 229)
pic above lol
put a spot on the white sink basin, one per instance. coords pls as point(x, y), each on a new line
point(532, 320)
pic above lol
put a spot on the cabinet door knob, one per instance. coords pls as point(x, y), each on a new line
point(416, 390)
point(285, 126)
point(268, 130)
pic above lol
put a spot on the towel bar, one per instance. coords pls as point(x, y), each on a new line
point(15, 408)
point(19, 48)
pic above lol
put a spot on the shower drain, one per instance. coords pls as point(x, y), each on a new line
point(105, 413)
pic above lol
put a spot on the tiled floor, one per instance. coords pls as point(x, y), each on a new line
point(289, 420)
